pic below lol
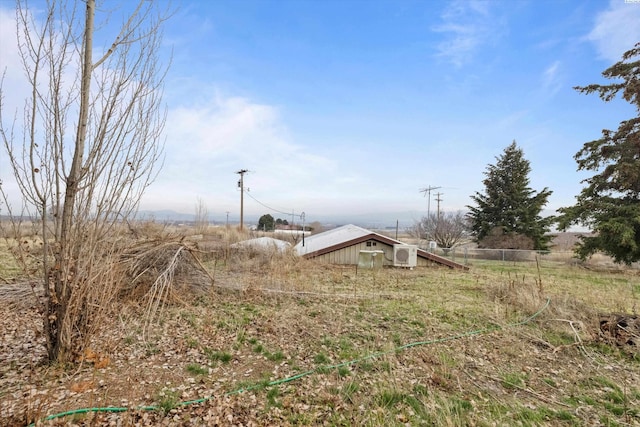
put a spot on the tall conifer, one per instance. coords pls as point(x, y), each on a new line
point(610, 203)
point(507, 214)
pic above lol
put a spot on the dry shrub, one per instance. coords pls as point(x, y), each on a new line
point(254, 269)
point(564, 315)
point(23, 244)
point(170, 268)
point(234, 235)
point(528, 297)
point(160, 272)
point(518, 294)
point(96, 280)
point(149, 229)
point(18, 229)
point(499, 239)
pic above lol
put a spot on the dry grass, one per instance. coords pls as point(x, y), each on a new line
point(271, 316)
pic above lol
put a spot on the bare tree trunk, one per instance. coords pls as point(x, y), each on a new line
point(58, 339)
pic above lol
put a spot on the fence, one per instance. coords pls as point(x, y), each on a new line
point(468, 255)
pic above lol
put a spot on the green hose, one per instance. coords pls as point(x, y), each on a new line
point(307, 373)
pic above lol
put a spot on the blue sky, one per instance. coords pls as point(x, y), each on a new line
point(348, 108)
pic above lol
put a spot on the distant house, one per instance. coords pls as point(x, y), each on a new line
point(343, 245)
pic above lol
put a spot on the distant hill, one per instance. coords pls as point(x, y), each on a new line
point(165, 215)
point(378, 221)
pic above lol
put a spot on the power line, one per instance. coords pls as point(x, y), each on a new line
point(268, 207)
point(292, 213)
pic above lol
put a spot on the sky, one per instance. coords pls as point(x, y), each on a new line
point(346, 109)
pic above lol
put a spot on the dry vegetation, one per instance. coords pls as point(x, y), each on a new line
point(207, 336)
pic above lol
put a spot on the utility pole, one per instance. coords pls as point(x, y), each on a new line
point(438, 199)
point(427, 192)
point(302, 215)
point(227, 223)
point(241, 172)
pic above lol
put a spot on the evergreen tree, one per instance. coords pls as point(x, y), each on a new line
point(266, 223)
point(508, 207)
point(610, 203)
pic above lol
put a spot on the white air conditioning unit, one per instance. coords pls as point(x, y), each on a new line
point(405, 255)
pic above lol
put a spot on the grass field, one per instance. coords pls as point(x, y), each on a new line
point(283, 341)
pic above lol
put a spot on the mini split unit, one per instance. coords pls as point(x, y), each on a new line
point(405, 255)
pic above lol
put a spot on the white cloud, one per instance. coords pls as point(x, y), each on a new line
point(208, 143)
point(616, 29)
point(466, 25)
point(551, 78)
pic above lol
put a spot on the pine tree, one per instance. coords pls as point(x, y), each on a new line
point(610, 203)
point(507, 215)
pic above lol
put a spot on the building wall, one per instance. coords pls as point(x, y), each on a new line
point(350, 254)
point(422, 262)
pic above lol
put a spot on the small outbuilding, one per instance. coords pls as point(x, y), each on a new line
point(345, 246)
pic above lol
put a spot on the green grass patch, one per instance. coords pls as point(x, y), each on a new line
point(196, 369)
point(387, 399)
point(348, 390)
point(511, 380)
point(321, 359)
point(274, 357)
point(272, 397)
point(217, 356)
point(343, 371)
point(167, 400)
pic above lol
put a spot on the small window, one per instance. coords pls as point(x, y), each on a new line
point(371, 243)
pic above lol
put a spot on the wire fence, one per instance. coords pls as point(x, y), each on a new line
point(470, 255)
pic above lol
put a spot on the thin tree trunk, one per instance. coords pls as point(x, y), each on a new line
point(59, 335)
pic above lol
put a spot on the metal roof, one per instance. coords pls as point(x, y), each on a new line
point(331, 238)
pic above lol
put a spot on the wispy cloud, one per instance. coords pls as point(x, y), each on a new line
point(551, 78)
point(616, 29)
point(466, 25)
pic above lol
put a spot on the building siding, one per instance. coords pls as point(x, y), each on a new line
point(350, 254)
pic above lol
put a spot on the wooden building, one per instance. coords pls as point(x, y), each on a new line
point(344, 245)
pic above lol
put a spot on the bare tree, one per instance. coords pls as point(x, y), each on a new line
point(88, 146)
point(446, 229)
point(202, 217)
